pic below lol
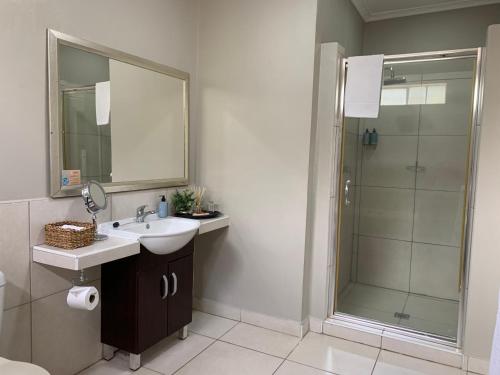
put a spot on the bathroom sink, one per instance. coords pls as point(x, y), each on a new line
point(160, 236)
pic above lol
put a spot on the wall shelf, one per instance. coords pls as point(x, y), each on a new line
point(105, 251)
point(98, 253)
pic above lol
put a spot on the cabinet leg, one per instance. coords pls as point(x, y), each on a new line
point(108, 352)
point(183, 333)
point(134, 361)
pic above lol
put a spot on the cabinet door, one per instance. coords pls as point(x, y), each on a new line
point(181, 293)
point(152, 305)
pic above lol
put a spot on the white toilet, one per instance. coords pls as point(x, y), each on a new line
point(12, 367)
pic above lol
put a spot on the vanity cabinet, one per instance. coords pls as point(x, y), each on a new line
point(146, 298)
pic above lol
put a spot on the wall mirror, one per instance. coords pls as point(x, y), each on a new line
point(114, 118)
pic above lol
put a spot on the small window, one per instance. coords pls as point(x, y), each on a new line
point(418, 94)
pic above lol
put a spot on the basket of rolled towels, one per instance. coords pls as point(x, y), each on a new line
point(69, 234)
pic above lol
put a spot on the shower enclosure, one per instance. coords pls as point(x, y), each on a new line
point(402, 233)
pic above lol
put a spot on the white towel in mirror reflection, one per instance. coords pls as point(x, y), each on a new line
point(102, 102)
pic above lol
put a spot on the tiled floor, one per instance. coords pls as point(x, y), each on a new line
point(428, 314)
point(218, 346)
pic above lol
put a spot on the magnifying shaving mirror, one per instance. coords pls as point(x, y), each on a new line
point(95, 200)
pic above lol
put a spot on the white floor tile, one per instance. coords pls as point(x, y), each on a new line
point(117, 366)
point(292, 368)
point(397, 364)
point(225, 359)
point(372, 297)
point(335, 355)
point(432, 309)
point(210, 325)
point(261, 339)
point(369, 313)
point(171, 354)
point(442, 329)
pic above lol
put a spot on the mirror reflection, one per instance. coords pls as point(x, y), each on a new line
point(120, 124)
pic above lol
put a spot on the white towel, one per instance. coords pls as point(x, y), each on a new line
point(363, 86)
point(102, 102)
point(495, 347)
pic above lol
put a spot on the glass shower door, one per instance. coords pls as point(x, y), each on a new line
point(403, 193)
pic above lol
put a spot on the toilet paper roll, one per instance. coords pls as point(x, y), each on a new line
point(83, 297)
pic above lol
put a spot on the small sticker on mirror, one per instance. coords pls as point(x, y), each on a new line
point(70, 177)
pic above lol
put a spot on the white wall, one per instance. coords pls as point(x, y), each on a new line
point(164, 31)
point(256, 62)
point(339, 21)
point(322, 212)
point(462, 28)
point(484, 277)
point(38, 326)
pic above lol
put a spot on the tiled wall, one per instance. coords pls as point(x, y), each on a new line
point(38, 325)
point(408, 222)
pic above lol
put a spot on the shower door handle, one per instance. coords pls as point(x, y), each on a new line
point(347, 193)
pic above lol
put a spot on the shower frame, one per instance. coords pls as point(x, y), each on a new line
point(474, 131)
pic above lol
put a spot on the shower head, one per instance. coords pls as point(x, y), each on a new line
point(393, 80)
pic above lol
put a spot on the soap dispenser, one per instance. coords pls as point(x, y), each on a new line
point(163, 207)
point(366, 137)
point(374, 137)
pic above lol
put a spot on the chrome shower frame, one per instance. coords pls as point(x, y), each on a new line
point(479, 55)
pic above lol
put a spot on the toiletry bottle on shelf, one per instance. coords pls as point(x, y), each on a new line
point(374, 137)
point(366, 137)
point(163, 207)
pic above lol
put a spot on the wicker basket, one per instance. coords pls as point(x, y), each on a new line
point(69, 238)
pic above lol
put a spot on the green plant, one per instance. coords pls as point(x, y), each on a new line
point(183, 201)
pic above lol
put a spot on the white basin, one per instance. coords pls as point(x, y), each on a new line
point(160, 236)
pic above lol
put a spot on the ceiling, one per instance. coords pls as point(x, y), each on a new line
point(374, 10)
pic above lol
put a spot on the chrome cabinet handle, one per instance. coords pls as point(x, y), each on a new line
point(174, 276)
point(346, 193)
point(165, 287)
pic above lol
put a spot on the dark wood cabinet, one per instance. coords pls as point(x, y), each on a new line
point(146, 298)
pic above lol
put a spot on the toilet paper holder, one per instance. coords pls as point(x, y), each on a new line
point(80, 280)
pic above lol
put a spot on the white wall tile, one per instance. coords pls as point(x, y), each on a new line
point(444, 162)
point(438, 217)
point(65, 340)
point(14, 252)
point(15, 336)
point(384, 263)
point(125, 204)
point(452, 118)
point(390, 163)
point(386, 212)
point(435, 270)
point(350, 152)
point(375, 299)
point(47, 280)
point(46, 210)
point(394, 120)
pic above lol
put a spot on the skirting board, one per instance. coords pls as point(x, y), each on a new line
point(315, 324)
point(290, 327)
point(478, 366)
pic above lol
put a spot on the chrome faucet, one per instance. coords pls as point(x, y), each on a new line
point(140, 213)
